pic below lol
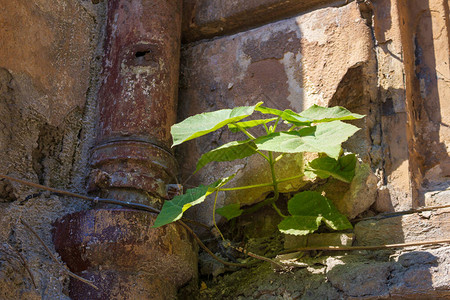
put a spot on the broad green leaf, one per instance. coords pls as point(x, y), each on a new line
point(287, 115)
point(342, 169)
point(323, 138)
point(201, 124)
point(230, 211)
point(319, 114)
point(248, 124)
point(300, 225)
point(228, 152)
point(313, 204)
point(271, 111)
point(173, 210)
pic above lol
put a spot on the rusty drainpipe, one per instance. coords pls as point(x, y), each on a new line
point(117, 248)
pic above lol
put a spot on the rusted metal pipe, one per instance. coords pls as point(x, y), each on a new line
point(117, 248)
point(137, 98)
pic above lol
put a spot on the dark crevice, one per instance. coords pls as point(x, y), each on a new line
point(141, 53)
point(6, 192)
point(49, 144)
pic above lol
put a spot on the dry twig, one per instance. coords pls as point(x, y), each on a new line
point(359, 248)
point(22, 261)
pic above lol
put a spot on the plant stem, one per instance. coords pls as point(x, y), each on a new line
point(290, 178)
point(245, 131)
point(275, 185)
point(278, 211)
point(252, 138)
point(261, 184)
point(274, 179)
point(276, 124)
point(262, 154)
point(214, 215)
point(267, 129)
point(246, 187)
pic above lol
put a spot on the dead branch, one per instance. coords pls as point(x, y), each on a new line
point(21, 259)
point(376, 247)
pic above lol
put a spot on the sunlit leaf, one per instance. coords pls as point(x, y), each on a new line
point(228, 152)
point(287, 115)
point(308, 206)
point(248, 124)
point(314, 114)
point(342, 169)
point(201, 124)
point(173, 210)
point(323, 138)
point(300, 225)
point(320, 114)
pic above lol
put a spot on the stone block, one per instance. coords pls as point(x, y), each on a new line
point(318, 240)
point(421, 274)
point(330, 239)
point(354, 198)
point(404, 229)
point(360, 279)
point(361, 194)
point(209, 18)
point(295, 241)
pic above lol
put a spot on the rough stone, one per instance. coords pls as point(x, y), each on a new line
point(251, 66)
point(360, 279)
point(395, 165)
point(421, 274)
point(206, 18)
point(404, 229)
point(438, 197)
point(257, 171)
point(361, 194)
point(354, 198)
point(415, 273)
point(294, 241)
point(425, 56)
point(47, 54)
point(318, 240)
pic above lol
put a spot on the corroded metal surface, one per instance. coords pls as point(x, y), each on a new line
point(119, 251)
point(137, 98)
point(117, 248)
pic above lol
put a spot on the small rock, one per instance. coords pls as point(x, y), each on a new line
point(361, 279)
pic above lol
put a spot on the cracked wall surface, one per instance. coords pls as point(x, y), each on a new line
point(387, 59)
point(48, 55)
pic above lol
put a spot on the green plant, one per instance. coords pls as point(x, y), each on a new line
point(317, 129)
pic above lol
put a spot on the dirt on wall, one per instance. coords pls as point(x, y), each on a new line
point(384, 58)
point(49, 58)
